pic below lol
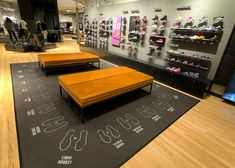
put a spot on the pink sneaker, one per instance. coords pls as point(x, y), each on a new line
point(177, 70)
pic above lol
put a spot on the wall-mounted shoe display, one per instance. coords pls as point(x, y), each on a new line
point(143, 29)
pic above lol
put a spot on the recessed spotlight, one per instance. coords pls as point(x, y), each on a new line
point(68, 10)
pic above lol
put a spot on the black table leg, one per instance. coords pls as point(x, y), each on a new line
point(60, 91)
point(150, 90)
point(82, 115)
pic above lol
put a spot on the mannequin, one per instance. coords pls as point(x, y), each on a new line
point(23, 33)
point(9, 25)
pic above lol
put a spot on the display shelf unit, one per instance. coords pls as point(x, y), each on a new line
point(189, 57)
point(91, 33)
point(201, 66)
point(195, 31)
point(159, 38)
point(188, 65)
point(187, 39)
point(183, 34)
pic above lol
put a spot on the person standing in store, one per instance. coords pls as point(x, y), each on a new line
point(9, 25)
point(23, 33)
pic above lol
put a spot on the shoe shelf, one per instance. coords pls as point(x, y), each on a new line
point(123, 33)
point(157, 36)
point(105, 26)
point(91, 33)
point(202, 31)
point(198, 66)
point(188, 39)
point(191, 64)
point(196, 35)
point(193, 57)
point(143, 29)
point(185, 73)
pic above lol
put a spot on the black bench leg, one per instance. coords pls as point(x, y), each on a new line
point(60, 91)
point(82, 115)
point(70, 101)
point(151, 87)
point(45, 69)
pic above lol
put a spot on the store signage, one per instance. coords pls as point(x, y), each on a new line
point(116, 32)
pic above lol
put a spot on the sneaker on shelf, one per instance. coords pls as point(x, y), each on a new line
point(160, 40)
point(172, 59)
point(200, 37)
point(218, 22)
point(142, 32)
point(129, 49)
point(178, 60)
point(202, 67)
point(154, 27)
point(218, 25)
point(189, 23)
point(168, 68)
point(164, 18)
point(177, 52)
point(191, 64)
point(152, 50)
point(178, 22)
point(203, 22)
point(193, 37)
point(151, 41)
point(134, 38)
point(153, 33)
point(211, 28)
point(155, 17)
point(177, 70)
point(185, 62)
point(171, 68)
point(144, 18)
point(186, 73)
point(213, 38)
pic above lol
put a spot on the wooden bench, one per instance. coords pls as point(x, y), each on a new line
point(53, 60)
point(88, 88)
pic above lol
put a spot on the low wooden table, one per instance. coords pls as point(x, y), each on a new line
point(56, 60)
point(88, 88)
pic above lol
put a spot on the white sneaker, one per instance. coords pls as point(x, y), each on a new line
point(193, 37)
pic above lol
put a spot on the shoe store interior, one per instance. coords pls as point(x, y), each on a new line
point(117, 83)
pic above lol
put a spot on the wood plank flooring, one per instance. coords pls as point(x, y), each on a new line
point(203, 137)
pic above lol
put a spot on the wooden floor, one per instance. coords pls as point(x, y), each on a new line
point(203, 137)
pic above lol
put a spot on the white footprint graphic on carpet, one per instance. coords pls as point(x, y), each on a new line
point(70, 137)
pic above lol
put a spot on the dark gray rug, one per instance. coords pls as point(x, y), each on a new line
point(51, 135)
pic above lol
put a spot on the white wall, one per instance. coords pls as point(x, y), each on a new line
point(199, 8)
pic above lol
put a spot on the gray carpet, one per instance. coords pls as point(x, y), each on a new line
point(51, 135)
